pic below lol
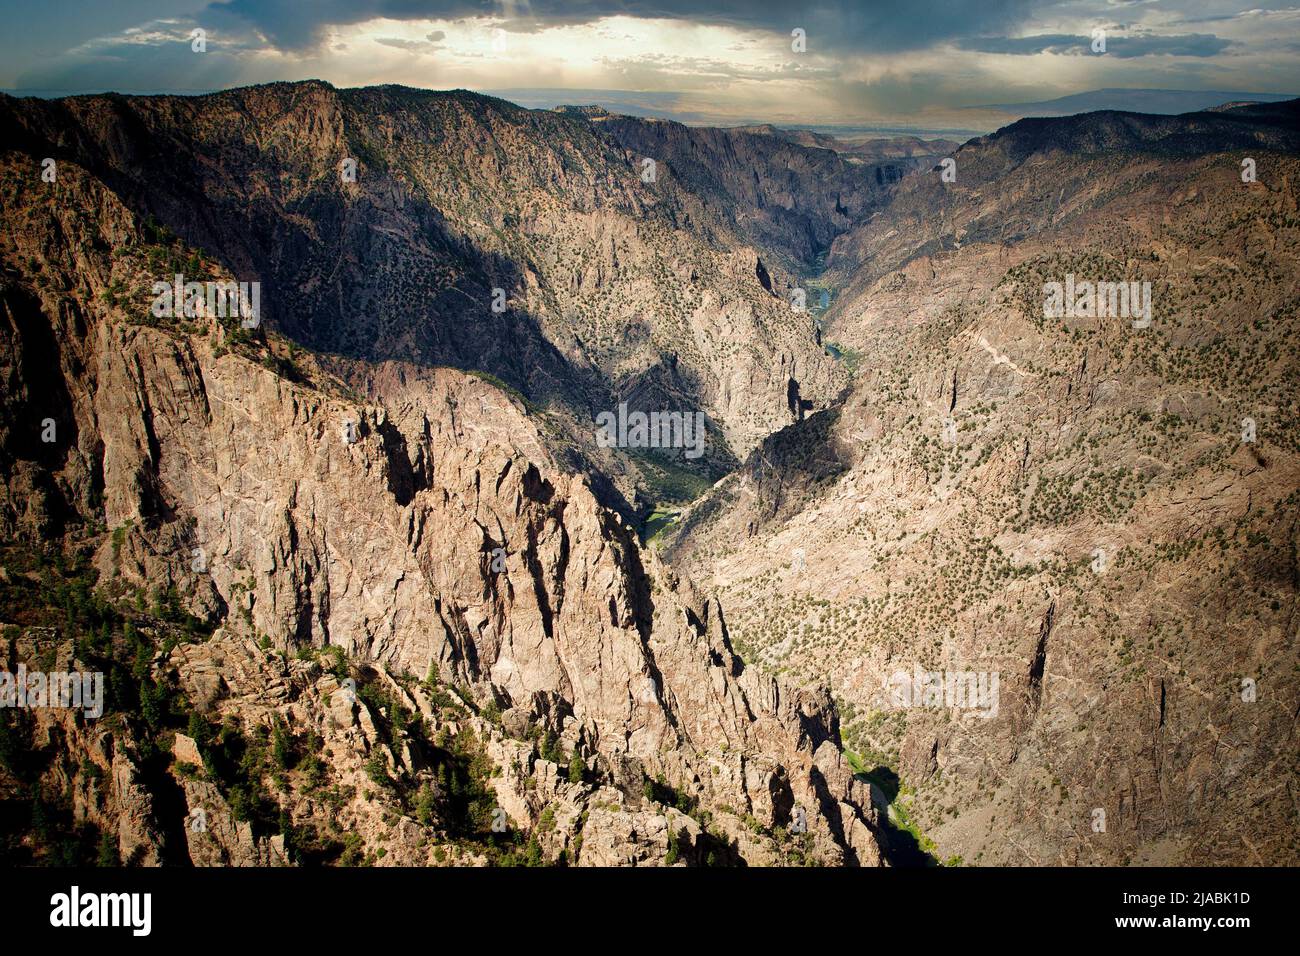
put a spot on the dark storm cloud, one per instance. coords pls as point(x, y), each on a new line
point(866, 25)
point(50, 29)
point(1124, 47)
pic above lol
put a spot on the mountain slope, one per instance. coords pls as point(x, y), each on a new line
point(248, 526)
point(613, 288)
point(787, 198)
point(1104, 516)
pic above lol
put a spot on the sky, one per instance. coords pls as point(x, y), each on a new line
point(917, 63)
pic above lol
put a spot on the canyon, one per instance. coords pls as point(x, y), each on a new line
point(367, 588)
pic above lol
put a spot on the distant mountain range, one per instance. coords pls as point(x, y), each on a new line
point(1167, 102)
point(872, 149)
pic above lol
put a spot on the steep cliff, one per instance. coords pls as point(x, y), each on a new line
point(493, 618)
point(381, 222)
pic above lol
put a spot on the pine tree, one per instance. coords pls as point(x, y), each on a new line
point(577, 768)
point(108, 856)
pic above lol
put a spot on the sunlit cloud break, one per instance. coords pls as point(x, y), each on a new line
point(925, 65)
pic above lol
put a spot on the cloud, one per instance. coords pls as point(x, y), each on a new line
point(1123, 47)
point(162, 63)
point(879, 26)
point(867, 61)
point(414, 46)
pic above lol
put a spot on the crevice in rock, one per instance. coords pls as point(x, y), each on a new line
point(404, 478)
point(539, 583)
point(764, 279)
point(1039, 661)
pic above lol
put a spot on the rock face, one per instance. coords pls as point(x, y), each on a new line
point(616, 283)
point(1102, 515)
point(425, 530)
point(793, 200)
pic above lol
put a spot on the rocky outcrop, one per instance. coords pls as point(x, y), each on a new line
point(423, 529)
point(606, 277)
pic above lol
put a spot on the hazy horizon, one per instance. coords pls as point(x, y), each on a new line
point(981, 119)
